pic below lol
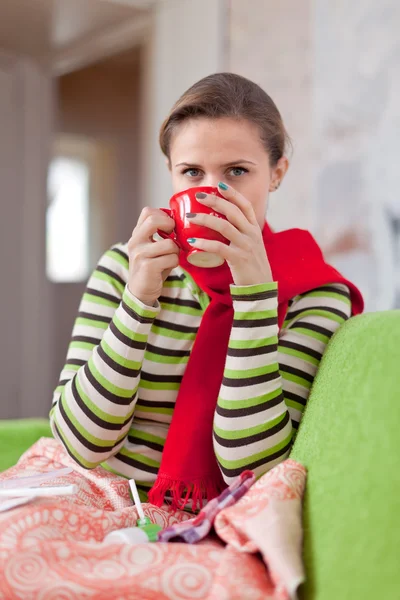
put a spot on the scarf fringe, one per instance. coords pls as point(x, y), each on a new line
point(177, 494)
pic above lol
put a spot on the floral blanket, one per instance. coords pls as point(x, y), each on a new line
point(52, 548)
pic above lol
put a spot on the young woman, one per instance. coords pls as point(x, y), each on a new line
point(181, 377)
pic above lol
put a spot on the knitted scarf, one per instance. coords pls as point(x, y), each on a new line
point(189, 469)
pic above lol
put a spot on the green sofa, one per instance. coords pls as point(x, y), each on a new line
point(349, 442)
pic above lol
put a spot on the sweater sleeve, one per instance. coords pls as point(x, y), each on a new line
point(268, 375)
point(95, 399)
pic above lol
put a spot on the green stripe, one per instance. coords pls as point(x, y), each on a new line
point(108, 418)
point(245, 373)
point(174, 284)
point(255, 315)
point(159, 386)
point(82, 345)
point(299, 354)
point(243, 433)
point(120, 360)
point(232, 404)
point(249, 290)
point(74, 453)
point(143, 312)
point(132, 335)
point(101, 443)
point(312, 334)
point(118, 258)
point(113, 389)
point(243, 462)
point(98, 300)
point(155, 411)
point(147, 437)
point(319, 313)
point(144, 460)
point(186, 310)
point(257, 343)
point(91, 323)
point(296, 379)
point(168, 360)
point(332, 294)
point(71, 367)
point(294, 404)
point(170, 333)
point(117, 285)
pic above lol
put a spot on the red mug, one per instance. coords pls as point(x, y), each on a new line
point(186, 202)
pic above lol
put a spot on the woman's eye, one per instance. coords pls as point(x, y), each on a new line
point(237, 171)
point(192, 172)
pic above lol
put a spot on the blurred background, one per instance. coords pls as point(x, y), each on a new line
point(84, 87)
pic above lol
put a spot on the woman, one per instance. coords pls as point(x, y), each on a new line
point(136, 394)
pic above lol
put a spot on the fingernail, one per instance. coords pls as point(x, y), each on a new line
point(222, 185)
point(201, 195)
point(191, 240)
point(191, 215)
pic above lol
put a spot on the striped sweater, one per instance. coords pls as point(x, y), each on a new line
point(116, 395)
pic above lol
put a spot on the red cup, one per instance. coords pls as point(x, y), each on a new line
point(186, 202)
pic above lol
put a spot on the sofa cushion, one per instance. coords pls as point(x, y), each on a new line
point(349, 441)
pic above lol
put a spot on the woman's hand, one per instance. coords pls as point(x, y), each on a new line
point(246, 255)
point(150, 262)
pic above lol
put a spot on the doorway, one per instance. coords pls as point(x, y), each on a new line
point(93, 181)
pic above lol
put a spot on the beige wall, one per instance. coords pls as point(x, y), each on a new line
point(25, 117)
point(271, 43)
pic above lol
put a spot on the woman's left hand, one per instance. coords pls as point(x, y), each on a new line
point(246, 255)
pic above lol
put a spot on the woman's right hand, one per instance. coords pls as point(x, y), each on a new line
point(150, 262)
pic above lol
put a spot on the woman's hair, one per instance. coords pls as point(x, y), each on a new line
point(229, 95)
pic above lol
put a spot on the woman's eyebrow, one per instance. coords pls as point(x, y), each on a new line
point(230, 163)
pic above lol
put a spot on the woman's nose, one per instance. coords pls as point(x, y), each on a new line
point(211, 180)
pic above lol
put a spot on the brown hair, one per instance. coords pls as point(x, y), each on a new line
point(229, 95)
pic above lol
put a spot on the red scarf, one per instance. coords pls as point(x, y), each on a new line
point(189, 469)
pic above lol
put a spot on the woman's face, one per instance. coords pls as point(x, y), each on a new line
point(205, 151)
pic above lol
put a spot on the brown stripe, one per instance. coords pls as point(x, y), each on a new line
point(120, 400)
point(312, 327)
point(155, 404)
point(258, 463)
point(167, 352)
point(147, 443)
point(300, 348)
point(251, 439)
point(111, 274)
point(175, 326)
point(255, 323)
point(126, 371)
point(103, 295)
point(295, 397)
point(134, 315)
point(92, 317)
point(249, 410)
point(245, 381)
point(179, 302)
point(135, 463)
point(334, 311)
point(161, 378)
point(243, 352)
point(296, 372)
point(267, 295)
point(93, 417)
point(86, 339)
point(125, 340)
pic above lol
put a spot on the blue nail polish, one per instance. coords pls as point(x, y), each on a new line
point(191, 215)
point(222, 185)
point(191, 240)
